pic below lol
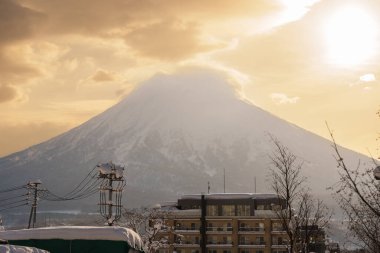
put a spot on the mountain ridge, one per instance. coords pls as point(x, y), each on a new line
point(174, 134)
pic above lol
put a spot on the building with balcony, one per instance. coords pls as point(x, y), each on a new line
point(225, 223)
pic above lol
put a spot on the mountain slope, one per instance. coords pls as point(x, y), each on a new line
point(174, 134)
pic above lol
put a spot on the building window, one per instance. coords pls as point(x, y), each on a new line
point(212, 239)
point(226, 251)
point(228, 210)
point(212, 210)
point(259, 240)
point(243, 210)
point(259, 226)
point(194, 251)
point(259, 251)
point(243, 240)
point(212, 251)
point(276, 207)
point(227, 240)
point(277, 226)
point(260, 207)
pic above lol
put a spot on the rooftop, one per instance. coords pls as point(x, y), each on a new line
point(231, 196)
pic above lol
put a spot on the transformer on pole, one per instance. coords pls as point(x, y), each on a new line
point(110, 207)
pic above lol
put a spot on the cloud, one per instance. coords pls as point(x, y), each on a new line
point(368, 78)
point(14, 68)
point(7, 93)
point(281, 98)
point(97, 16)
point(103, 76)
point(166, 40)
point(18, 22)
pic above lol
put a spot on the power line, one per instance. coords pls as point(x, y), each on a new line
point(7, 208)
point(13, 197)
point(68, 194)
point(15, 202)
point(13, 189)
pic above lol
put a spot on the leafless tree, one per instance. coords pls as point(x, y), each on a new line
point(148, 222)
point(301, 213)
point(358, 195)
point(312, 219)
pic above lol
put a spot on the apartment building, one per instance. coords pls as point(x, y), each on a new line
point(225, 223)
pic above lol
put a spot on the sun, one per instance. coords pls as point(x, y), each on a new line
point(350, 35)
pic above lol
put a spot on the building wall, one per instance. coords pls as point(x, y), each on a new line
point(232, 226)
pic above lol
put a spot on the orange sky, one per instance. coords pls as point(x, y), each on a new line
point(62, 62)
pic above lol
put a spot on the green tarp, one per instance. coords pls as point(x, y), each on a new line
point(76, 246)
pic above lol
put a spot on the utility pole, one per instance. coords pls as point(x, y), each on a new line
point(208, 187)
point(112, 173)
point(33, 186)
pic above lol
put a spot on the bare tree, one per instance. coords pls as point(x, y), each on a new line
point(149, 223)
point(301, 213)
point(312, 218)
point(358, 195)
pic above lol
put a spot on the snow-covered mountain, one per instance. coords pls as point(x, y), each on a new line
point(174, 134)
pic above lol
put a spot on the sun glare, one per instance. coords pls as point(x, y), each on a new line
point(350, 36)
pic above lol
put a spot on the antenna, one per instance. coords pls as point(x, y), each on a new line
point(208, 187)
point(255, 183)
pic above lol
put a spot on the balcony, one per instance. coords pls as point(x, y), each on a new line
point(213, 244)
point(276, 245)
point(251, 230)
point(277, 230)
point(219, 230)
point(259, 244)
point(186, 244)
point(186, 230)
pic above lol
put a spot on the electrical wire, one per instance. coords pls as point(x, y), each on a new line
point(7, 208)
point(14, 202)
point(13, 189)
point(13, 197)
point(68, 194)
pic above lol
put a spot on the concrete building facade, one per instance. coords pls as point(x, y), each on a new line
point(225, 223)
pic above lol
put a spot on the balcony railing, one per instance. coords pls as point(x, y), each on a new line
point(279, 245)
point(190, 229)
point(187, 242)
point(253, 229)
point(219, 229)
point(252, 243)
point(278, 229)
point(213, 243)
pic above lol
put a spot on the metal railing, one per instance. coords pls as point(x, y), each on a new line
point(251, 229)
point(219, 229)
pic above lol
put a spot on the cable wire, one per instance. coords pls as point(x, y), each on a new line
point(13, 189)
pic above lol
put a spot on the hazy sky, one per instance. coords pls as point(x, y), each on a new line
point(62, 62)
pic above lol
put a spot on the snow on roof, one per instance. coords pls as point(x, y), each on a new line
point(20, 249)
point(76, 233)
point(231, 196)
